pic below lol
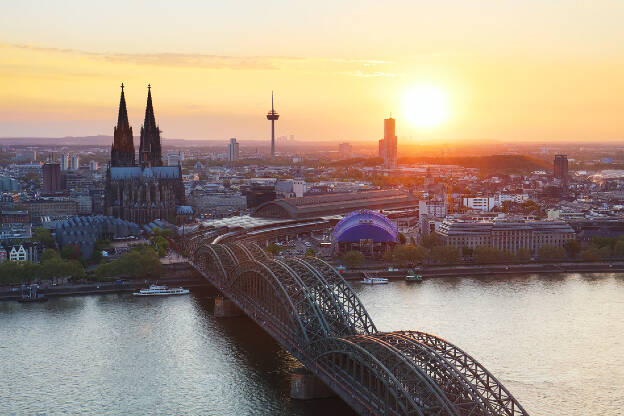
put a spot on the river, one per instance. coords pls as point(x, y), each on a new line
point(557, 342)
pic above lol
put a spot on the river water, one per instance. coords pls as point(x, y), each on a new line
point(557, 342)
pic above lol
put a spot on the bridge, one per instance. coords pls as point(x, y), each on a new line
point(306, 306)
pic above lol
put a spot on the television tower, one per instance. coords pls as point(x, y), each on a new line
point(272, 115)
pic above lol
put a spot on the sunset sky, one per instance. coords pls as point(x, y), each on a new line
point(505, 70)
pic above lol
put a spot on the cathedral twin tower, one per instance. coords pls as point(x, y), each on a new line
point(145, 191)
point(122, 152)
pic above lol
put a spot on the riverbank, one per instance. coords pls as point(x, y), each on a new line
point(177, 274)
point(491, 269)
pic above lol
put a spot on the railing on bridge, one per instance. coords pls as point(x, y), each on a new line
point(311, 310)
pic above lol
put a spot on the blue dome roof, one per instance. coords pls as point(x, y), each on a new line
point(365, 224)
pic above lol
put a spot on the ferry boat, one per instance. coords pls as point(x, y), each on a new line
point(155, 290)
point(413, 277)
point(374, 280)
point(30, 294)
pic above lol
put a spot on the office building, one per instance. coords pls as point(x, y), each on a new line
point(561, 169)
point(74, 162)
point(345, 150)
point(388, 145)
point(64, 161)
point(51, 173)
point(505, 235)
point(233, 150)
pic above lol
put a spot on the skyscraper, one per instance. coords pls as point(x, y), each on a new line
point(64, 161)
point(560, 169)
point(389, 144)
point(345, 150)
point(122, 152)
point(74, 162)
point(51, 177)
point(273, 116)
point(232, 150)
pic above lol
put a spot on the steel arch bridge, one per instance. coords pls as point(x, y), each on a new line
point(312, 312)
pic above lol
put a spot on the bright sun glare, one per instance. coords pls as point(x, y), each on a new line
point(426, 106)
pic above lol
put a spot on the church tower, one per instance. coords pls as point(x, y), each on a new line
point(150, 153)
point(122, 152)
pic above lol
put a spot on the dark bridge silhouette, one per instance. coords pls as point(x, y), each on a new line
point(311, 311)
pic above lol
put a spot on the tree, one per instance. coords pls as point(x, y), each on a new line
point(49, 254)
point(402, 238)
point(388, 256)
point(70, 252)
point(431, 240)
point(274, 249)
point(43, 236)
point(445, 254)
point(573, 247)
point(140, 262)
point(467, 251)
point(409, 254)
point(523, 255)
point(353, 258)
point(485, 255)
point(550, 252)
point(618, 250)
point(592, 254)
point(310, 252)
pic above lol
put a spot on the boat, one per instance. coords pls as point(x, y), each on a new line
point(413, 277)
point(156, 290)
point(373, 280)
point(30, 295)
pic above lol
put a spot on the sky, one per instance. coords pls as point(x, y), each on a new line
point(546, 70)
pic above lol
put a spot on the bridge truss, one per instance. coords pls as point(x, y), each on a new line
point(312, 312)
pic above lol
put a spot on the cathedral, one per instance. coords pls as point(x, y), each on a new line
point(144, 191)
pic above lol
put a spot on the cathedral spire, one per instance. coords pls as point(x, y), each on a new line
point(150, 119)
point(150, 153)
point(122, 152)
point(122, 119)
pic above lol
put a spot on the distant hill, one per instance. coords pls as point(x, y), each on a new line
point(500, 163)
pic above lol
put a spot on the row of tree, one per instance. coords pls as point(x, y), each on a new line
point(431, 252)
point(140, 262)
point(51, 267)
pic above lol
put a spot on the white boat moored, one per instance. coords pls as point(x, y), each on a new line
point(155, 290)
point(374, 280)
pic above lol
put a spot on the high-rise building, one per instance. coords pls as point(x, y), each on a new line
point(382, 149)
point(64, 161)
point(272, 116)
point(122, 152)
point(93, 165)
point(233, 150)
point(345, 150)
point(51, 173)
point(560, 169)
point(389, 144)
point(74, 162)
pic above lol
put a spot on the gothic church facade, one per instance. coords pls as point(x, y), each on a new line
point(144, 191)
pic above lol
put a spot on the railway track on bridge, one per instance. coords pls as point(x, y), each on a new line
point(306, 306)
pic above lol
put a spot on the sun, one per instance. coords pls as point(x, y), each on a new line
point(426, 106)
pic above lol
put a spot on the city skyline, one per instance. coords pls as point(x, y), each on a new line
point(541, 78)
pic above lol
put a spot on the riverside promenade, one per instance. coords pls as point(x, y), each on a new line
point(477, 270)
point(174, 274)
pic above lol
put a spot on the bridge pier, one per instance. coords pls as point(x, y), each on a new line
point(225, 308)
point(306, 386)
